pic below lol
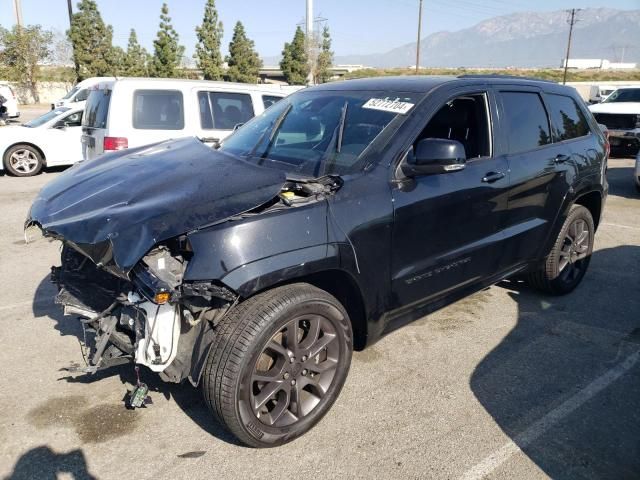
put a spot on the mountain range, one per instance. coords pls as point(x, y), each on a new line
point(525, 40)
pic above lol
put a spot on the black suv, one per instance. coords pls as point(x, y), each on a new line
point(343, 212)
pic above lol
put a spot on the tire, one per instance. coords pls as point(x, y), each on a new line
point(252, 366)
point(23, 161)
point(567, 263)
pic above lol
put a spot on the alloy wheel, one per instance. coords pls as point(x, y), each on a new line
point(574, 250)
point(294, 370)
point(23, 161)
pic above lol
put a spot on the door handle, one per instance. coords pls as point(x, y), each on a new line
point(492, 177)
point(561, 158)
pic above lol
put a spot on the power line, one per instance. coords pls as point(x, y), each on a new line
point(572, 21)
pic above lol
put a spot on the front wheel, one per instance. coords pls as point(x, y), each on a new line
point(278, 364)
point(570, 255)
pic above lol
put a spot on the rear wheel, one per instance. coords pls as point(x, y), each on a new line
point(23, 160)
point(569, 258)
point(278, 364)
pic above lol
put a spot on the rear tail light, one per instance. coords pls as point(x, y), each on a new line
point(115, 143)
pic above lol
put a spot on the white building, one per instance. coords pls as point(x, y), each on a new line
point(597, 63)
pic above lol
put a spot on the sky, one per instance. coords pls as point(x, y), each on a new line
point(357, 26)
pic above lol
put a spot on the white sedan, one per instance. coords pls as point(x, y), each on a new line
point(50, 140)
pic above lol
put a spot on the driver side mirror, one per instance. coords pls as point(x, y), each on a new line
point(433, 156)
point(61, 125)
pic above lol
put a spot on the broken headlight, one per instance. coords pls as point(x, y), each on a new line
point(160, 273)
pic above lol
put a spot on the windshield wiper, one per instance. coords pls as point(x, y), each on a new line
point(275, 126)
point(335, 144)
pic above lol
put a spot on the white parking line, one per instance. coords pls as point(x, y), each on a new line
point(524, 439)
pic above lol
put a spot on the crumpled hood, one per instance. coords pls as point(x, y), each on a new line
point(115, 208)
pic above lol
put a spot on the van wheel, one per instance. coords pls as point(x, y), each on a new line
point(278, 364)
point(23, 161)
point(570, 256)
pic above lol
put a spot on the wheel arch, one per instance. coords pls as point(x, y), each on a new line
point(338, 283)
point(592, 201)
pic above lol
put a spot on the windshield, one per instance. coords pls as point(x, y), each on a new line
point(319, 133)
point(50, 115)
point(624, 95)
point(70, 93)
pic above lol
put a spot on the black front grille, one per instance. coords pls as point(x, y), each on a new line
point(623, 121)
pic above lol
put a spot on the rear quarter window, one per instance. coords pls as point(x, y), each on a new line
point(567, 119)
point(97, 109)
point(527, 124)
point(224, 110)
point(268, 100)
point(158, 110)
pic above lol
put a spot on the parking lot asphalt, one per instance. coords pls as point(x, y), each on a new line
point(507, 383)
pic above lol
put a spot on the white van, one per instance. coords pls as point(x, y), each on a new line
point(79, 93)
point(132, 112)
point(11, 100)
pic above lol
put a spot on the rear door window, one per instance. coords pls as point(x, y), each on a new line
point(158, 110)
point(527, 124)
point(567, 118)
point(97, 109)
point(268, 100)
point(224, 110)
point(82, 95)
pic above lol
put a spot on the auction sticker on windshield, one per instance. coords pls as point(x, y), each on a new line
point(388, 105)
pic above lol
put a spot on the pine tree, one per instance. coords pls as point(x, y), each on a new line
point(91, 41)
point(325, 58)
point(167, 51)
point(116, 60)
point(135, 59)
point(244, 62)
point(208, 56)
point(295, 62)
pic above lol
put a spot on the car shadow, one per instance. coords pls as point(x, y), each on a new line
point(43, 463)
point(564, 384)
point(187, 397)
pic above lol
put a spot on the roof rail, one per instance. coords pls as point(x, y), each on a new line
point(500, 75)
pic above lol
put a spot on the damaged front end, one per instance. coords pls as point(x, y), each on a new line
point(151, 318)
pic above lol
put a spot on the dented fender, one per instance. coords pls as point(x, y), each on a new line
point(244, 254)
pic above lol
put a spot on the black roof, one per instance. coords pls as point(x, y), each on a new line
point(425, 83)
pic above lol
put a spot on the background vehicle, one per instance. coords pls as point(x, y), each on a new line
point(637, 172)
point(77, 96)
point(49, 140)
point(12, 102)
point(342, 213)
point(131, 112)
point(620, 112)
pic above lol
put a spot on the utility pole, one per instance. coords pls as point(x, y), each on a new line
point(17, 10)
point(310, 41)
point(572, 21)
point(419, 35)
point(69, 7)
